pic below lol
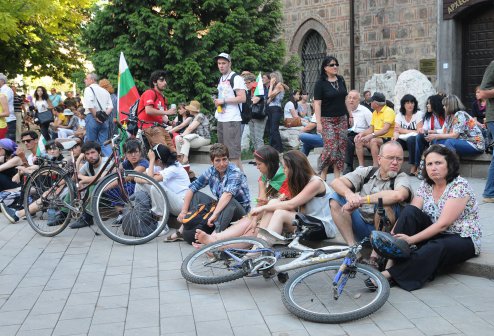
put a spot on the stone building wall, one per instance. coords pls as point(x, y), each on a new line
point(389, 34)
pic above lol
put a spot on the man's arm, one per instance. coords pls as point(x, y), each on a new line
point(486, 94)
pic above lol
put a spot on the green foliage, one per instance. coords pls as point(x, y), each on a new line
point(183, 37)
point(39, 36)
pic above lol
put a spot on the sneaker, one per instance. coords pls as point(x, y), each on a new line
point(83, 221)
point(488, 199)
point(57, 219)
point(9, 213)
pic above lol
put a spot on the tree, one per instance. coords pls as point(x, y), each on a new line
point(183, 37)
point(39, 36)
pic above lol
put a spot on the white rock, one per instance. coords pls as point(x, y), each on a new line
point(415, 83)
point(289, 137)
point(245, 145)
point(384, 83)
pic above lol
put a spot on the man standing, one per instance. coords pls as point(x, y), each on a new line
point(6, 90)
point(70, 101)
point(97, 102)
point(228, 106)
point(153, 108)
point(356, 194)
point(360, 119)
point(381, 129)
point(55, 98)
point(487, 92)
point(18, 109)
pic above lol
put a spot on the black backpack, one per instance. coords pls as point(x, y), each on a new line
point(245, 108)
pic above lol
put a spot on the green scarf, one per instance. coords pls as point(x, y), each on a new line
point(277, 179)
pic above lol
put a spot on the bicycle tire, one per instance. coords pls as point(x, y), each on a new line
point(112, 204)
point(39, 184)
point(213, 269)
point(308, 294)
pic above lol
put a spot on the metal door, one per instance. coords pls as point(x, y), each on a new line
point(313, 52)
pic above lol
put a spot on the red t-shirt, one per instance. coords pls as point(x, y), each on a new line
point(154, 98)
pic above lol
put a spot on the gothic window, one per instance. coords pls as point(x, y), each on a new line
point(313, 52)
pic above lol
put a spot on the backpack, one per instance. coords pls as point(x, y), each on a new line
point(133, 117)
point(139, 226)
point(245, 108)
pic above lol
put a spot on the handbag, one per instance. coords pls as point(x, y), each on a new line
point(293, 122)
point(44, 117)
point(101, 115)
point(258, 111)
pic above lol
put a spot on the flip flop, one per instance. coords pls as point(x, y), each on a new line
point(176, 236)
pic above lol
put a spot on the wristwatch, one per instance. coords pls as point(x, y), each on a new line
point(373, 134)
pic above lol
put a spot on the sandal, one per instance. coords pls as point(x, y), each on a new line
point(176, 236)
point(372, 262)
point(370, 284)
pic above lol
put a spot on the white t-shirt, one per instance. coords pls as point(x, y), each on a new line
point(84, 170)
point(175, 178)
point(230, 112)
point(409, 125)
point(41, 105)
point(102, 96)
point(362, 118)
point(288, 106)
point(10, 102)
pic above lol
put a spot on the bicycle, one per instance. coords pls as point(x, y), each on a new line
point(55, 187)
point(317, 293)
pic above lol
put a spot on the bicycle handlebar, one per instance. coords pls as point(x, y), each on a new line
point(154, 123)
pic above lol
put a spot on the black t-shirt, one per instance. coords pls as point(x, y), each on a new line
point(332, 99)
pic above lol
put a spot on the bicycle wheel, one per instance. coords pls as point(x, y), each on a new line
point(309, 294)
point(123, 209)
point(211, 265)
point(46, 192)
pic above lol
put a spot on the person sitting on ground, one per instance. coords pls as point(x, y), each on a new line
point(353, 203)
point(309, 137)
point(165, 168)
point(310, 196)
point(407, 122)
point(359, 120)
point(8, 164)
point(442, 221)
point(290, 111)
point(272, 185)
point(60, 120)
point(380, 131)
point(228, 185)
point(69, 127)
point(460, 131)
point(30, 141)
point(134, 160)
point(195, 135)
point(53, 150)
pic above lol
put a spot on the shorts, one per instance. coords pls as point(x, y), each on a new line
point(230, 135)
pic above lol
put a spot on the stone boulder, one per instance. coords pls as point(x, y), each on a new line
point(246, 138)
point(384, 83)
point(289, 137)
point(415, 83)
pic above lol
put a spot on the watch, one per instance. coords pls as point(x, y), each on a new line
point(373, 134)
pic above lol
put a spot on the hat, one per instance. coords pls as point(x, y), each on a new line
point(379, 98)
point(225, 56)
point(194, 106)
point(68, 112)
point(8, 144)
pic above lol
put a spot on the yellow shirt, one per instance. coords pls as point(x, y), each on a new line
point(3, 122)
point(62, 119)
point(386, 115)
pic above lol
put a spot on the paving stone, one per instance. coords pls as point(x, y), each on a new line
point(9, 330)
point(35, 322)
point(404, 332)
point(475, 328)
point(108, 329)
point(78, 311)
point(142, 314)
point(72, 327)
point(82, 298)
point(102, 316)
point(321, 329)
point(358, 329)
point(13, 317)
point(177, 324)
point(434, 326)
point(279, 323)
point(143, 331)
point(118, 301)
point(209, 312)
point(240, 318)
point(258, 330)
point(175, 309)
point(214, 328)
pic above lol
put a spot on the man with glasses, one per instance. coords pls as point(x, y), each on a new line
point(353, 204)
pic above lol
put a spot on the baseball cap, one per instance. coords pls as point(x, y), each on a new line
point(68, 112)
point(225, 56)
point(379, 98)
point(8, 144)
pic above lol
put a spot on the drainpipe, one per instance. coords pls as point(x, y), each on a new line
point(352, 44)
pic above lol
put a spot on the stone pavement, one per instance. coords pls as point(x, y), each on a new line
point(78, 284)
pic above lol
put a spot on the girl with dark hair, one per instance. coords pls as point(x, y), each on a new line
point(478, 107)
point(164, 167)
point(432, 123)
point(272, 185)
point(180, 123)
point(43, 104)
point(442, 221)
point(332, 116)
point(290, 113)
point(134, 159)
point(407, 122)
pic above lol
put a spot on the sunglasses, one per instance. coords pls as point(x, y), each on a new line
point(333, 65)
point(27, 140)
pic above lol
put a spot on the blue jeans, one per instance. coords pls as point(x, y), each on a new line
point(98, 132)
point(420, 145)
point(489, 184)
point(361, 228)
point(309, 142)
point(276, 113)
point(461, 147)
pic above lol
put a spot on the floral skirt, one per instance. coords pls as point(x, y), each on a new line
point(334, 136)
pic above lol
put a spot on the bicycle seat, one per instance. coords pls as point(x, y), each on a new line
point(301, 220)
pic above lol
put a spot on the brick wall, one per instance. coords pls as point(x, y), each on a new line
point(389, 34)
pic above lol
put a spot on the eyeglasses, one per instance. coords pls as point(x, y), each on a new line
point(393, 158)
point(27, 140)
point(333, 65)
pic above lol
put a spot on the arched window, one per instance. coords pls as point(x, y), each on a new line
point(313, 52)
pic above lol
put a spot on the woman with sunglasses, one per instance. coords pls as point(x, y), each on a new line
point(331, 115)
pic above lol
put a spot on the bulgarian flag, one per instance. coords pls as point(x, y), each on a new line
point(41, 146)
point(260, 87)
point(127, 91)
